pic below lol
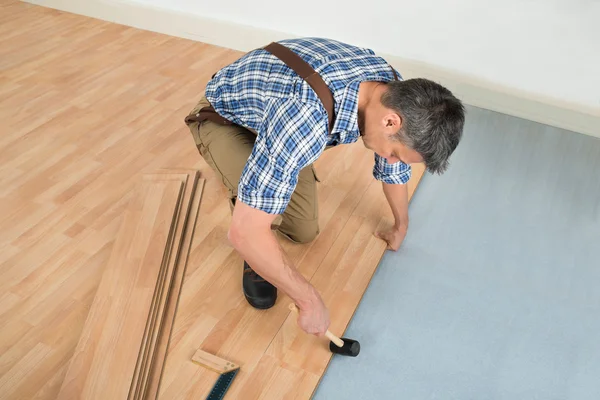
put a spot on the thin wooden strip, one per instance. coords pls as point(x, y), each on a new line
point(212, 362)
point(149, 326)
point(165, 280)
point(190, 176)
point(104, 360)
point(157, 366)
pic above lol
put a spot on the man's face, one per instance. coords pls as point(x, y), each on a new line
point(378, 127)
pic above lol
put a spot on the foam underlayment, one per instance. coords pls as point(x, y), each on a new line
point(494, 293)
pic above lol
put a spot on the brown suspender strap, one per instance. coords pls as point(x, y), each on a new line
point(302, 68)
point(306, 72)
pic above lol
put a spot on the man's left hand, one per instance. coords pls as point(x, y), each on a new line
point(393, 237)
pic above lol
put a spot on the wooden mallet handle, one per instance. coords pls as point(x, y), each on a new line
point(336, 340)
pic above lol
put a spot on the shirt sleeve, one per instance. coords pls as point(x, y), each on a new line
point(293, 135)
point(397, 173)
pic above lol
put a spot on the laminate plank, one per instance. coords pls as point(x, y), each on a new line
point(23, 264)
point(51, 386)
point(173, 242)
point(189, 181)
point(157, 367)
point(10, 382)
point(58, 338)
point(148, 339)
point(104, 360)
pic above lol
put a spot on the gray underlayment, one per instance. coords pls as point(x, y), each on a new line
point(495, 293)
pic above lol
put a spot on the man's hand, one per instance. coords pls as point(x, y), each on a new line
point(397, 197)
point(314, 318)
point(250, 234)
point(393, 237)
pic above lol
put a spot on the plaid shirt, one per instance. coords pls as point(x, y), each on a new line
point(260, 92)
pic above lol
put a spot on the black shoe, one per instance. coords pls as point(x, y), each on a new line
point(259, 293)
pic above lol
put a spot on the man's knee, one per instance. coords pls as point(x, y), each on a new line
point(300, 231)
point(225, 148)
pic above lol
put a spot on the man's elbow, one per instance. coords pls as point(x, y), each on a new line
point(248, 226)
point(242, 232)
point(236, 235)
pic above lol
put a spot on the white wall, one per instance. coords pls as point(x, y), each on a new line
point(547, 47)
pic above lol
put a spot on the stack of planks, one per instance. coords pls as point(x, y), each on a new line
point(123, 345)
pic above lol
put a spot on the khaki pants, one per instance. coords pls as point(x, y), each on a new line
point(226, 149)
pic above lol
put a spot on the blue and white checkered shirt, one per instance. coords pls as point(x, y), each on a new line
point(260, 92)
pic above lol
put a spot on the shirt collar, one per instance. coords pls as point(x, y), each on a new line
point(345, 127)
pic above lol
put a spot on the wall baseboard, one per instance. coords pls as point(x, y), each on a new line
point(471, 90)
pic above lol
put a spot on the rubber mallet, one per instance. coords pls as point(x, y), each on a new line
point(343, 346)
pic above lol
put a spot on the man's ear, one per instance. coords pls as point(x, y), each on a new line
point(393, 121)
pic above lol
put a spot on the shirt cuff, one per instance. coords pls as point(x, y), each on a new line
point(269, 205)
point(395, 174)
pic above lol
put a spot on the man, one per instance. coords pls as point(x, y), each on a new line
point(276, 126)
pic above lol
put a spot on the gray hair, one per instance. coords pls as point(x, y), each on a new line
point(433, 119)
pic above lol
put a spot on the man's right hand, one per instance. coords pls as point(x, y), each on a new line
point(251, 235)
point(314, 317)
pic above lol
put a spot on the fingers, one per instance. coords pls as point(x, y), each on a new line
point(314, 328)
point(392, 239)
point(385, 238)
point(315, 320)
point(316, 331)
point(381, 235)
point(319, 331)
point(322, 331)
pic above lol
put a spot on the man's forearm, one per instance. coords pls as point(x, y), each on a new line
point(263, 253)
point(397, 197)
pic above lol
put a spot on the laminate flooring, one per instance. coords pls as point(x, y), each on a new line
point(87, 106)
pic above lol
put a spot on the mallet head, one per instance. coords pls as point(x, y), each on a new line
point(350, 348)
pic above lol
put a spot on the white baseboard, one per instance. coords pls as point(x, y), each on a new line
point(472, 91)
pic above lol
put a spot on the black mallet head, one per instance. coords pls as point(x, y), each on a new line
point(344, 347)
point(350, 348)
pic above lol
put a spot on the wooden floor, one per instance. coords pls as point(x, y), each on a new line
point(87, 107)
